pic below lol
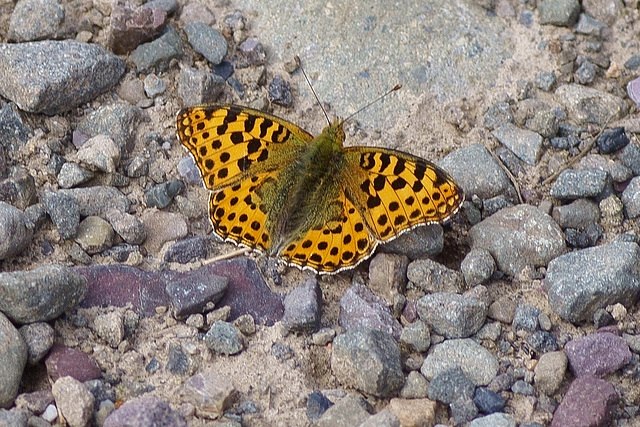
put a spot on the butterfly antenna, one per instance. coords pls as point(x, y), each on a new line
point(393, 89)
point(299, 63)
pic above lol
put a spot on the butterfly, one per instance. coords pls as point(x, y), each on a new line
point(309, 200)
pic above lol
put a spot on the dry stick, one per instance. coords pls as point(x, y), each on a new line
point(509, 174)
point(238, 252)
point(580, 155)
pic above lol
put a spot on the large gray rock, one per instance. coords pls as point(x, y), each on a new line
point(41, 294)
point(52, 77)
point(13, 358)
point(13, 227)
point(519, 237)
point(580, 282)
point(378, 352)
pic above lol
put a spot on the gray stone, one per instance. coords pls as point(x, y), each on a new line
point(33, 20)
point(544, 123)
point(118, 120)
point(585, 73)
point(522, 387)
point(13, 359)
point(498, 419)
point(388, 274)
point(589, 105)
point(525, 318)
point(302, 307)
point(13, 132)
point(477, 266)
point(374, 349)
point(16, 418)
point(59, 75)
point(224, 338)
point(156, 55)
point(39, 339)
point(550, 371)
point(630, 156)
point(149, 410)
point(487, 401)
point(359, 307)
point(519, 237)
point(578, 214)
point(64, 212)
point(431, 276)
point(127, 226)
point(618, 171)
point(478, 364)
point(73, 400)
point(15, 229)
point(475, 170)
point(579, 282)
point(199, 86)
point(589, 26)
point(94, 235)
point(72, 175)
point(561, 13)
point(159, 196)
point(384, 418)
point(415, 387)
point(110, 327)
point(192, 292)
point(100, 152)
point(420, 242)
point(41, 294)
point(206, 41)
point(97, 200)
point(545, 80)
point(497, 115)
point(416, 337)
point(188, 250)
point(463, 410)
point(209, 392)
point(451, 385)
point(573, 184)
point(452, 315)
point(525, 144)
point(631, 198)
point(348, 411)
point(19, 189)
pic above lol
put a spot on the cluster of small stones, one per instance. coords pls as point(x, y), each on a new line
point(440, 345)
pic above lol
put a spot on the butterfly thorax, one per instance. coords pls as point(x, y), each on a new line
point(314, 177)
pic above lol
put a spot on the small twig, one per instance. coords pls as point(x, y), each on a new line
point(509, 174)
point(580, 155)
point(238, 252)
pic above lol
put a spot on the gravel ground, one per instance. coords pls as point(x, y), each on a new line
point(521, 311)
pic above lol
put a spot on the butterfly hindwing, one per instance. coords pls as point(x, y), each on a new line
point(397, 191)
point(333, 245)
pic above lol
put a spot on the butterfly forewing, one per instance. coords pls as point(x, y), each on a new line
point(398, 191)
point(226, 141)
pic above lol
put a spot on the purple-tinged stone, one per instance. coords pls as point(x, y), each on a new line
point(410, 311)
point(302, 307)
point(145, 411)
point(359, 307)
point(191, 292)
point(589, 402)
point(253, 51)
point(189, 249)
point(66, 361)
point(633, 90)
point(131, 26)
point(247, 292)
point(119, 285)
point(598, 354)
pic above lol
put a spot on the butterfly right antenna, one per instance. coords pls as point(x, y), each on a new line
point(299, 63)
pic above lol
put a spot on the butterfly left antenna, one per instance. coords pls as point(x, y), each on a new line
point(299, 63)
